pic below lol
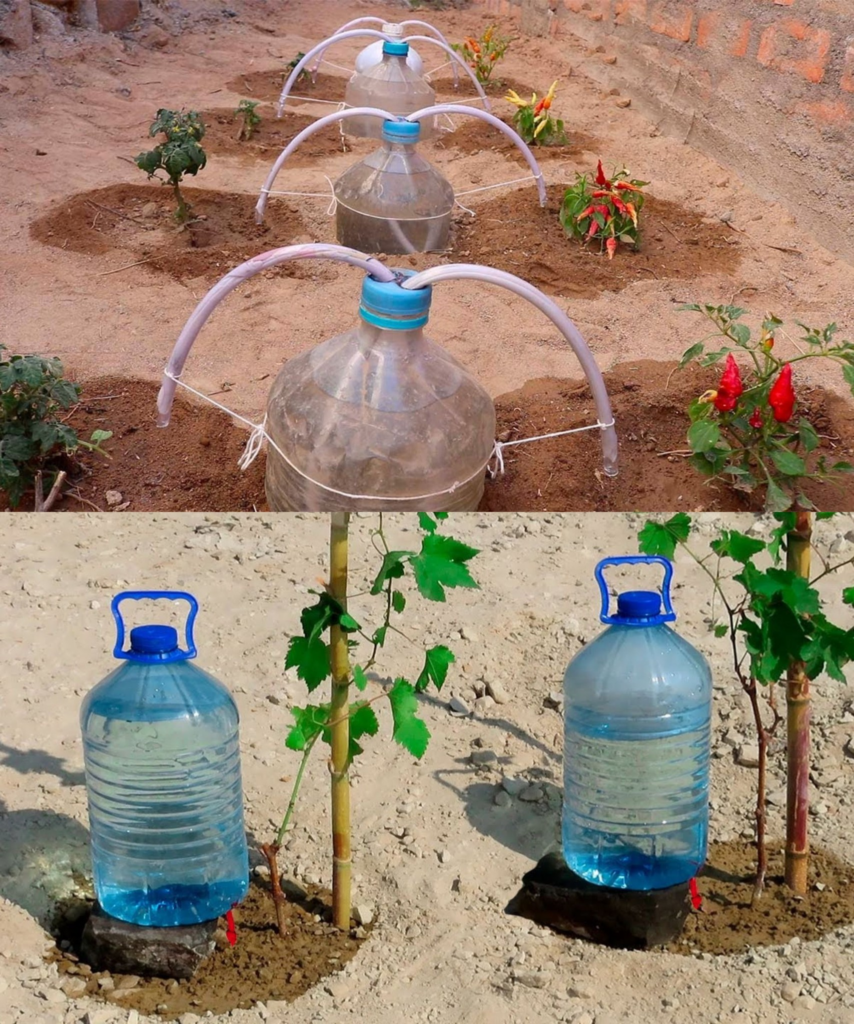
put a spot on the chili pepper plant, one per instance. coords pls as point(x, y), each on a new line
point(291, 66)
point(249, 119)
point(533, 121)
point(180, 154)
point(607, 209)
point(776, 625)
point(483, 54)
point(751, 429)
point(334, 645)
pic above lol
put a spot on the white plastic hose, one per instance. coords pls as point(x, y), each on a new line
point(340, 115)
point(490, 275)
point(264, 261)
point(357, 22)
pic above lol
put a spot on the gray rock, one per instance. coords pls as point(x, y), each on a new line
point(849, 746)
point(531, 794)
point(748, 755)
point(502, 799)
point(513, 785)
point(530, 979)
point(480, 757)
point(458, 707)
point(496, 690)
point(363, 914)
point(121, 948)
point(790, 990)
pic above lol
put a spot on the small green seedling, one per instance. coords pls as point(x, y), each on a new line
point(180, 154)
point(250, 120)
point(290, 67)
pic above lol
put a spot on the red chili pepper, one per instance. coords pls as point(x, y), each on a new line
point(730, 386)
point(611, 246)
point(231, 931)
point(599, 193)
point(627, 185)
point(600, 177)
point(768, 343)
point(756, 420)
point(781, 397)
point(621, 206)
point(594, 227)
point(586, 213)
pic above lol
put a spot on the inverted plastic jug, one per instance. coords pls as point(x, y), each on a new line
point(379, 417)
point(162, 760)
point(373, 52)
point(637, 705)
point(394, 201)
point(389, 85)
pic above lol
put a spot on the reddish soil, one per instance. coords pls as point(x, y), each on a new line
point(514, 233)
point(139, 219)
point(259, 967)
point(649, 400)
point(270, 137)
point(728, 922)
point(511, 232)
point(192, 465)
point(473, 136)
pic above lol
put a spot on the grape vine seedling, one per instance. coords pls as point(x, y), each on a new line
point(330, 638)
point(250, 120)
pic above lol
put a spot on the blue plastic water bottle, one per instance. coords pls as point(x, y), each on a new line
point(160, 745)
point(637, 703)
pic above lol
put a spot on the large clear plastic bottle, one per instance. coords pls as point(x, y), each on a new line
point(379, 417)
point(160, 745)
point(637, 705)
point(394, 201)
point(390, 85)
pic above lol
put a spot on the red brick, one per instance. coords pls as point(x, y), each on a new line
point(628, 10)
point(776, 45)
point(675, 25)
point(847, 80)
point(595, 10)
point(732, 35)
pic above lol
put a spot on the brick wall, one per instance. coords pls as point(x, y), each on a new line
point(764, 86)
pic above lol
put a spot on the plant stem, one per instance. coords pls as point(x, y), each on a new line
point(798, 548)
point(294, 793)
point(183, 207)
point(339, 719)
point(761, 817)
point(270, 851)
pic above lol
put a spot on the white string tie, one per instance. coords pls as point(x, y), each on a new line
point(498, 450)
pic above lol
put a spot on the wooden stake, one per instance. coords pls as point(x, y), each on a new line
point(340, 726)
point(798, 551)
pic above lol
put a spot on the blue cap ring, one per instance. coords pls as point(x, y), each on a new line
point(395, 49)
point(387, 304)
point(406, 132)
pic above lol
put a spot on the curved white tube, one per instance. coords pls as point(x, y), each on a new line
point(199, 316)
point(559, 319)
point(294, 75)
point(356, 22)
point(299, 138)
point(456, 59)
point(460, 108)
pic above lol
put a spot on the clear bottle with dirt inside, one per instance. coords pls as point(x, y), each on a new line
point(394, 201)
point(390, 85)
point(379, 418)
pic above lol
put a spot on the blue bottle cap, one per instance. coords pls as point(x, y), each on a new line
point(395, 49)
point(386, 304)
point(638, 604)
point(406, 132)
point(153, 642)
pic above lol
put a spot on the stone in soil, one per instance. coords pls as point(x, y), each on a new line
point(122, 948)
point(555, 896)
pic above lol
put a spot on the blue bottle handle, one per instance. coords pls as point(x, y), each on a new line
point(155, 595)
point(667, 616)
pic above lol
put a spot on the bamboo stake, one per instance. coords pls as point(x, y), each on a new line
point(340, 726)
point(798, 550)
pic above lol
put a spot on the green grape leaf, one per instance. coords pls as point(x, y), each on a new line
point(440, 564)
point(410, 731)
point(363, 722)
point(738, 546)
point(360, 680)
point(437, 661)
point(398, 601)
point(662, 538)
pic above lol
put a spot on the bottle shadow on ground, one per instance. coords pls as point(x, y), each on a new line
point(44, 860)
point(530, 828)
